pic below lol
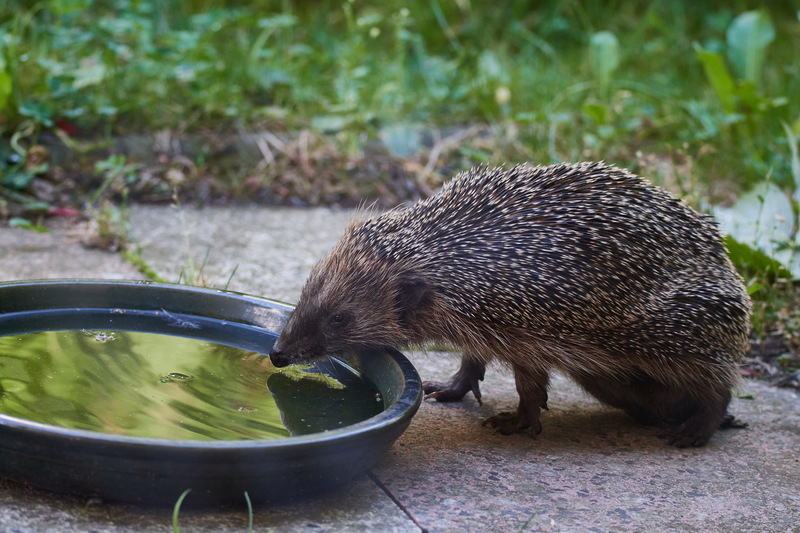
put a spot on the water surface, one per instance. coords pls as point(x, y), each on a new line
point(169, 386)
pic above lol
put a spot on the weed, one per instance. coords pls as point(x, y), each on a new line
point(109, 225)
point(249, 512)
point(98, 67)
point(175, 527)
point(358, 100)
point(24, 223)
point(135, 258)
point(190, 274)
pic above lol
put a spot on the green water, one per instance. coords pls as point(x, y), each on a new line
point(166, 386)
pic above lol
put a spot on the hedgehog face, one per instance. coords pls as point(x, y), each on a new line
point(345, 304)
point(315, 329)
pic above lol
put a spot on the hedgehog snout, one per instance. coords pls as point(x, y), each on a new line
point(278, 358)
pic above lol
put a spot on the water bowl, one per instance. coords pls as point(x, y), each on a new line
point(137, 391)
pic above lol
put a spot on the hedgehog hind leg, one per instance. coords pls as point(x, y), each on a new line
point(465, 380)
point(532, 390)
point(684, 420)
point(709, 415)
point(631, 394)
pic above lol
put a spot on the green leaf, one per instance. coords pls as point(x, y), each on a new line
point(746, 91)
point(753, 288)
point(107, 110)
point(329, 123)
point(18, 222)
point(753, 261)
point(370, 19)
point(278, 21)
point(65, 7)
point(402, 139)
point(748, 37)
point(37, 112)
point(17, 180)
point(718, 75)
point(298, 372)
point(604, 50)
point(792, 138)
point(91, 72)
point(761, 218)
point(5, 88)
point(24, 223)
point(490, 69)
point(595, 111)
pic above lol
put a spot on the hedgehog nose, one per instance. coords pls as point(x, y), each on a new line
point(278, 358)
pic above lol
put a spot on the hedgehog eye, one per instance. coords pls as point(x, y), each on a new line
point(339, 319)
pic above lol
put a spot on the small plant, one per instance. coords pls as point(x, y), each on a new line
point(249, 512)
point(110, 225)
point(175, 527)
point(604, 51)
point(24, 223)
point(114, 169)
point(745, 107)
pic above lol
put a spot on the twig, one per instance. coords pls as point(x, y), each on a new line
point(304, 154)
point(397, 502)
point(269, 159)
point(277, 143)
point(447, 143)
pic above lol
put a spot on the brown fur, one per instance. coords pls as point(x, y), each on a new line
point(584, 269)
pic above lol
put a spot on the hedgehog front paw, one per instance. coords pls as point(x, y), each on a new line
point(452, 391)
point(466, 379)
point(508, 423)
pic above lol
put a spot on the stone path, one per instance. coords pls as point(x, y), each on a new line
point(592, 469)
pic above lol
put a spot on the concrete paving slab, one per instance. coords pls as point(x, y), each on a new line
point(359, 506)
point(25, 254)
point(592, 469)
point(272, 250)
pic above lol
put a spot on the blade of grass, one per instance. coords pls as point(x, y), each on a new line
point(795, 156)
point(175, 527)
point(448, 31)
point(249, 512)
point(229, 280)
point(137, 260)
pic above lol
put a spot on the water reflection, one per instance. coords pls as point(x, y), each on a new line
point(154, 385)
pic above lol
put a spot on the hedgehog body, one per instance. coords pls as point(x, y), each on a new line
point(585, 269)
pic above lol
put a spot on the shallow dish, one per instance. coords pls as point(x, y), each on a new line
point(156, 470)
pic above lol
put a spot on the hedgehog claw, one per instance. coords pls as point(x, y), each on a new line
point(431, 396)
point(730, 421)
point(476, 391)
point(697, 430)
point(467, 379)
point(449, 392)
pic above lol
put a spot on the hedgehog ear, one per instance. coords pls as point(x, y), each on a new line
point(412, 294)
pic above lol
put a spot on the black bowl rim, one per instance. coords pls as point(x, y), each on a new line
point(403, 409)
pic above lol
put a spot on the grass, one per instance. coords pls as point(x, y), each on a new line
point(97, 68)
point(703, 98)
point(177, 508)
point(176, 511)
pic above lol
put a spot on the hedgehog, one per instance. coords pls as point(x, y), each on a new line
point(583, 269)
